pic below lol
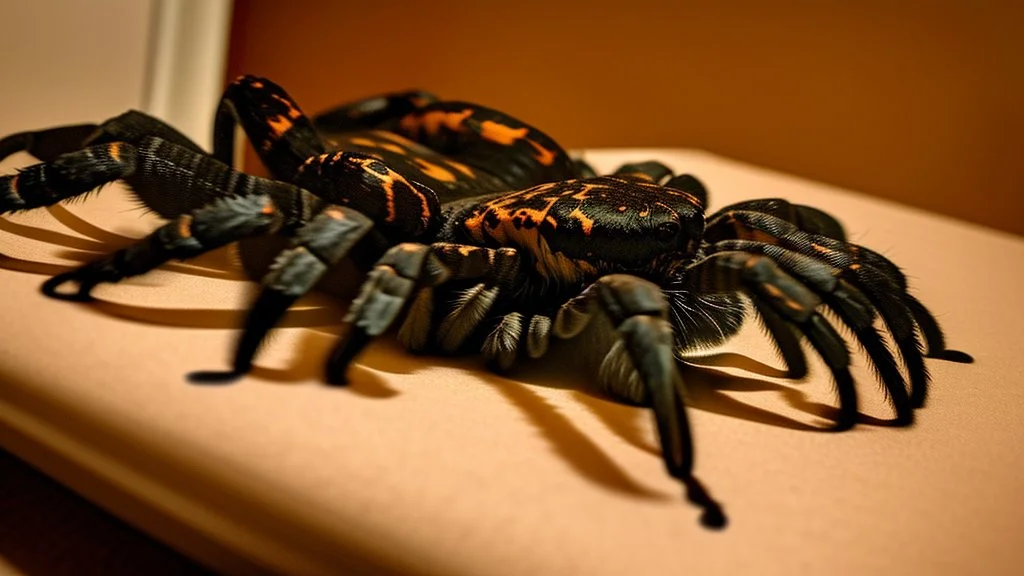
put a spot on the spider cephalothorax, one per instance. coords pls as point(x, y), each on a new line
point(478, 233)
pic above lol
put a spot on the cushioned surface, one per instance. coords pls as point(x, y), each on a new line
point(435, 466)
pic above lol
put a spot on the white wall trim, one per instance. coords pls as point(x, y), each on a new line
point(186, 65)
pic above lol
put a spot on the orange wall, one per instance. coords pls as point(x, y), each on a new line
point(919, 102)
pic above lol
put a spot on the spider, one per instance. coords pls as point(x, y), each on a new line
point(478, 233)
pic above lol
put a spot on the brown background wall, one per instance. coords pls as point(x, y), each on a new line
point(919, 102)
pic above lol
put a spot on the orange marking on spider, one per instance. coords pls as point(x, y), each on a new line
point(393, 148)
point(388, 181)
point(465, 170)
point(185, 226)
point(778, 294)
point(115, 151)
point(397, 139)
point(419, 101)
point(586, 222)
point(279, 125)
point(293, 111)
point(501, 134)
point(640, 176)
point(434, 171)
point(507, 136)
point(431, 122)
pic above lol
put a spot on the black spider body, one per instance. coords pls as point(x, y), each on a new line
point(477, 233)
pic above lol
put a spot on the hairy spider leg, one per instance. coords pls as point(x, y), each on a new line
point(47, 144)
point(763, 281)
point(814, 221)
point(281, 133)
point(805, 218)
point(878, 278)
point(850, 304)
point(644, 341)
point(314, 249)
point(650, 171)
point(883, 292)
point(371, 207)
point(406, 276)
point(132, 126)
point(484, 138)
point(370, 113)
point(497, 273)
point(214, 205)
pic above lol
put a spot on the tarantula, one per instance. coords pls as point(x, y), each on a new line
point(484, 235)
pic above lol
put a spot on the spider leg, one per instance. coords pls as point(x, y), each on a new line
point(637, 312)
point(814, 221)
point(382, 298)
point(214, 205)
point(315, 248)
point(878, 278)
point(650, 171)
point(282, 134)
point(168, 178)
point(412, 272)
point(926, 322)
point(367, 194)
point(850, 304)
point(582, 168)
point(221, 222)
point(47, 144)
point(766, 283)
point(933, 333)
point(132, 126)
point(785, 339)
point(808, 219)
point(514, 334)
point(372, 112)
point(496, 270)
point(490, 140)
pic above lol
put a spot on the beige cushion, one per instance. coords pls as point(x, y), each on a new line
point(437, 466)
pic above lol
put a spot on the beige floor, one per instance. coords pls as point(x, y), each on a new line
point(437, 467)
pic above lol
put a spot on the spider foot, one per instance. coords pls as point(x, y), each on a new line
point(954, 356)
point(713, 516)
point(385, 293)
point(336, 372)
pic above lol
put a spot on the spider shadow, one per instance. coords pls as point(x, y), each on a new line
point(319, 319)
point(705, 386)
point(565, 438)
